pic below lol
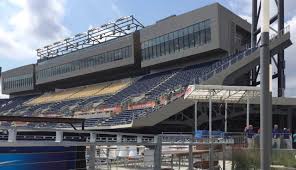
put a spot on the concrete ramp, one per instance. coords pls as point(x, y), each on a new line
point(226, 75)
point(234, 71)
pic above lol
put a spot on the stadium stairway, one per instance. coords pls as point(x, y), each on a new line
point(227, 72)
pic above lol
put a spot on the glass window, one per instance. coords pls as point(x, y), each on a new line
point(167, 46)
point(176, 41)
point(162, 46)
point(171, 42)
point(157, 46)
point(181, 38)
point(186, 38)
point(191, 37)
point(150, 52)
point(208, 35)
point(196, 29)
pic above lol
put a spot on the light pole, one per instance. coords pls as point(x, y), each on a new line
point(266, 91)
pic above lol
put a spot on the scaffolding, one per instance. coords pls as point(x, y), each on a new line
point(121, 27)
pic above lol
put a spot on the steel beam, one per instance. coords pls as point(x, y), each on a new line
point(225, 114)
point(195, 116)
point(281, 54)
point(248, 112)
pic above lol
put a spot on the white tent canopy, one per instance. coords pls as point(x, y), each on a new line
point(221, 93)
point(218, 93)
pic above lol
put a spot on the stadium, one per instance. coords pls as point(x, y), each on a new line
point(125, 82)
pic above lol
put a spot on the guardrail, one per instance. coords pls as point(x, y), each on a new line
point(237, 58)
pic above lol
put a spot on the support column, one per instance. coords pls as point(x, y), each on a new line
point(93, 137)
point(281, 54)
point(157, 153)
point(59, 136)
point(248, 111)
point(265, 85)
point(210, 131)
point(92, 157)
point(139, 139)
point(12, 135)
point(290, 119)
point(119, 138)
point(254, 37)
point(226, 117)
point(190, 158)
point(195, 116)
point(254, 24)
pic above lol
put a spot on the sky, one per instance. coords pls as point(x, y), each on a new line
point(27, 25)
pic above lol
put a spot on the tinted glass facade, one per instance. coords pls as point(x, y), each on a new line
point(189, 37)
point(85, 63)
point(18, 82)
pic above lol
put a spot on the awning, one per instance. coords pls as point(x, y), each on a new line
point(220, 93)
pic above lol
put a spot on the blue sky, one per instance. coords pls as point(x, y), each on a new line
point(26, 25)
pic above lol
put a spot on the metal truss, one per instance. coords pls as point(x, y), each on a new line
point(279, 62)
point(121, 27)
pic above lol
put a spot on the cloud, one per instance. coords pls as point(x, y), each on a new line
point(34, 25)
point(116, 9)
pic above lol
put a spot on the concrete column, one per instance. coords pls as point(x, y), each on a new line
point(226, 117)
point(139, 139)
point(195, 116)
point(59, 136)
point(210, 131)
point(266, 91)
point(12, 135)
point(157, 153)
point(119, 138)
point(190, 158)
point(92, 157)
point(93, 137)
point(248, 111)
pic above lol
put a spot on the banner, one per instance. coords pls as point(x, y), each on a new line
point(177, 95)
point(115, 109)
point(163, 100)
point(189, 90)
point(142, 105)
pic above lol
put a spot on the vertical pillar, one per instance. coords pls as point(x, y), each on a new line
point(210, 116)
point(157, 154)
point(226, 115)
point(119, 138)
point(281, 54)
point(290, 119)
point(139, 139)
point(254, 23)
point(254, 36)
point(190, 158)
point(12, 135)
point(195, 117)
point(224, 154)
point(92, 157)
point(93, 137)
point(248, 111)
point(265, 97)
point(210, 132)
point(59, 136)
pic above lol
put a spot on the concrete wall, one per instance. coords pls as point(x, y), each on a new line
point(223, 29)
point(20, 71)
point(89, 52)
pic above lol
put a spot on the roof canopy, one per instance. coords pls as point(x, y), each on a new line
point(221, 93)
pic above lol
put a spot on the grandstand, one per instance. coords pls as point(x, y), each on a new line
point(137, 81)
